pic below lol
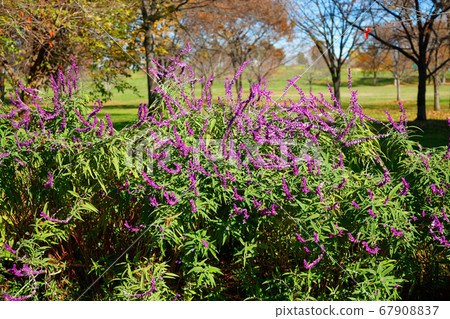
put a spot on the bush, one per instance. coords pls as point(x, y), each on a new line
point(249, 198)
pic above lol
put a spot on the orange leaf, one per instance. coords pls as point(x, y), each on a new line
point(29, 19)
point(26, 27)
point(51, 45)
point(21, 13)
point(51, 33)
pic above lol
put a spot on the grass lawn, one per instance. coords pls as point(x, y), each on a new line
point(373, 99)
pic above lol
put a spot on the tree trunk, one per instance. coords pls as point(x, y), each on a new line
point(337, 86)
point(149, 46)
point(397, 84)
point(310, 81)
point(444, 75)
point(375, 78)
point(422, 88)
point(2, 87)
point(437, 106)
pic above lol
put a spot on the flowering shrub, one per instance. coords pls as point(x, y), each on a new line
point(248, 198)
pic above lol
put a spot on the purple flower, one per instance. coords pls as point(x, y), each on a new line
point(370, 194)
point(189, 130)
point(150, 181)
point(135, 229)
point(352, 239)
point(319, 192)
point(386, 179)
point(372, 213)
point(8, 248)
point(371, 250)
point(354, 204)
point(344, 180)
point(341, 163)
point(205, 243)
point(170, 198)
point(300, 238)
point(50, 181)
point(396, 232)
point(56, 220)
point(304, 187)
point(286, 190)
point(193, 207)
point(313, 263)
point(256, 203)
point(153, 201)
point(316, 237)
point(236, 195)
point(405, 188)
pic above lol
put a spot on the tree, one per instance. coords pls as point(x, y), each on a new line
point(315, 65)
point(38, 37)
point(327, 27)
point(399, 66)
point(243, 30)
point(207, 58)
point(265, 60)
point(150, 12)
point(413, 21)
point(440, 53)
point(371, 57)
point(301, 59)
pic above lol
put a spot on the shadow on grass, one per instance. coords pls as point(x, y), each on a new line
point(431, 133)
point(118, 126)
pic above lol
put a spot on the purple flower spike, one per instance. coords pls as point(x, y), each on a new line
point(50, 180)
point(153, 201)
point(300, 238)
point(8, 248)
point(372, 213)
point(344, 180)
point(56, 220)
point(371, 250)
point(205, 243)
point(170, 198)
point(193, 207)
point(236, 195)
point(396, 232)
point(354, 204)
point(405, 188)
point(316, 237)
point(304, 187)
point(286, 190)
point(134, 229)
point(352, 239)
point(313, 263)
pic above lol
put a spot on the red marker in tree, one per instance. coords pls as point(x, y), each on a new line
point(367, 32)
